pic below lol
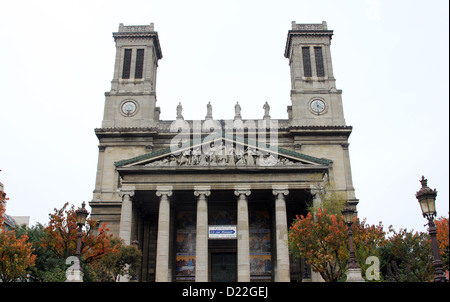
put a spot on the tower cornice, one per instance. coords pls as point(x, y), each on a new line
point(305, 30)
point(139, 32)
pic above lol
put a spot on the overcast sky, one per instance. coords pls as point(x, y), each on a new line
point(390, 58)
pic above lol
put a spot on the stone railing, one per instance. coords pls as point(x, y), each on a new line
point(136, 28)
point(320, 26)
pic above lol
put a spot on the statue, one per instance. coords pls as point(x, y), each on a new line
point(185, 158)
point(221, 155)
point(179, 110)
point(266, 108)
point(230, 155)
point(249, 156)
point(237, 110)
point(268, 160)
point(212, 154)
point(240, 157)
point(209, 111)
point(196, 153)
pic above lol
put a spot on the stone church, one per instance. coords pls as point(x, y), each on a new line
point(212, 200)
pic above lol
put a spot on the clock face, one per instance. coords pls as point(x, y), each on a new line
point(318, 106)
point(128, 108)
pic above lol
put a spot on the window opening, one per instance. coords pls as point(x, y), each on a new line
point(139, 64)
point(319, 61)
point(306, 62)
point(126, 64)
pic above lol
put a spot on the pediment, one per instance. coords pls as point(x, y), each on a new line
point(223, 152)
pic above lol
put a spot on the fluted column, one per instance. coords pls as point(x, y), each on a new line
point(282, 273)
point(162, 246)
point(126, 214)
point(243, 246)
point(201, 248)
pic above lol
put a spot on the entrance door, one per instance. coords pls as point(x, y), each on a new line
point(223, 267)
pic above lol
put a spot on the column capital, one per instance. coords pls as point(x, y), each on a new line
point(164, 190)
point(126, 191)
point(202, 190)
point(316, 193)
point(280, 189)
point(242, 190)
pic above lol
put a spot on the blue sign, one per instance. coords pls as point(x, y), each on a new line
point(222, 232)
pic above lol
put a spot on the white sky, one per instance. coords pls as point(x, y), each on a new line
point(390, 58)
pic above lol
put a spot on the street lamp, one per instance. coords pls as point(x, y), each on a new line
point(75, 272)
point(353, 269)
point(427, 200)
point(82, 214)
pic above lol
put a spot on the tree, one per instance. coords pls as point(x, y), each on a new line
point(330, 197)
point(62, 236)
point(320, 242)
point(367, 239)
point(124, 262)
point(321, 238)
point(443, 240)
point(48, 267)
point(407, 256)
point(16, 257)
point(103, 257)
point(323, 243)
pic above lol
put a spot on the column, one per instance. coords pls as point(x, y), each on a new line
point(162, 246)
point(201, 248)
point(126, 214)
point(282, 273)
point(243, 246)
point(316, 196)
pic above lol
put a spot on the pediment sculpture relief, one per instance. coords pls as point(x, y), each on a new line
point(224, 156)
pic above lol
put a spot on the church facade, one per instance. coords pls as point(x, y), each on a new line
point(212, 200)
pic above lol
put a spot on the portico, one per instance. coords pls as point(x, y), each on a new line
point(180, 204)
point(175, 244)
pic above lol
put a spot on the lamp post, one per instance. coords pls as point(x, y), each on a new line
point(353, 269)
point(75, 273)
point(81, 220)
point(427, 200)
point(306, 276)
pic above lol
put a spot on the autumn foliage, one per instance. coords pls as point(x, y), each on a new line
point(62, 235)
point(322, 240)
point(103, 257)
point(39, 253)
point(16, 256)
point(443, 240)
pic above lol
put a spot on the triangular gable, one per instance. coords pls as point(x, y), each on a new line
point(224, 152)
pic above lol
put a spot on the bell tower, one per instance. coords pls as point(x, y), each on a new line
point(315, 99)
point(131, 102)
